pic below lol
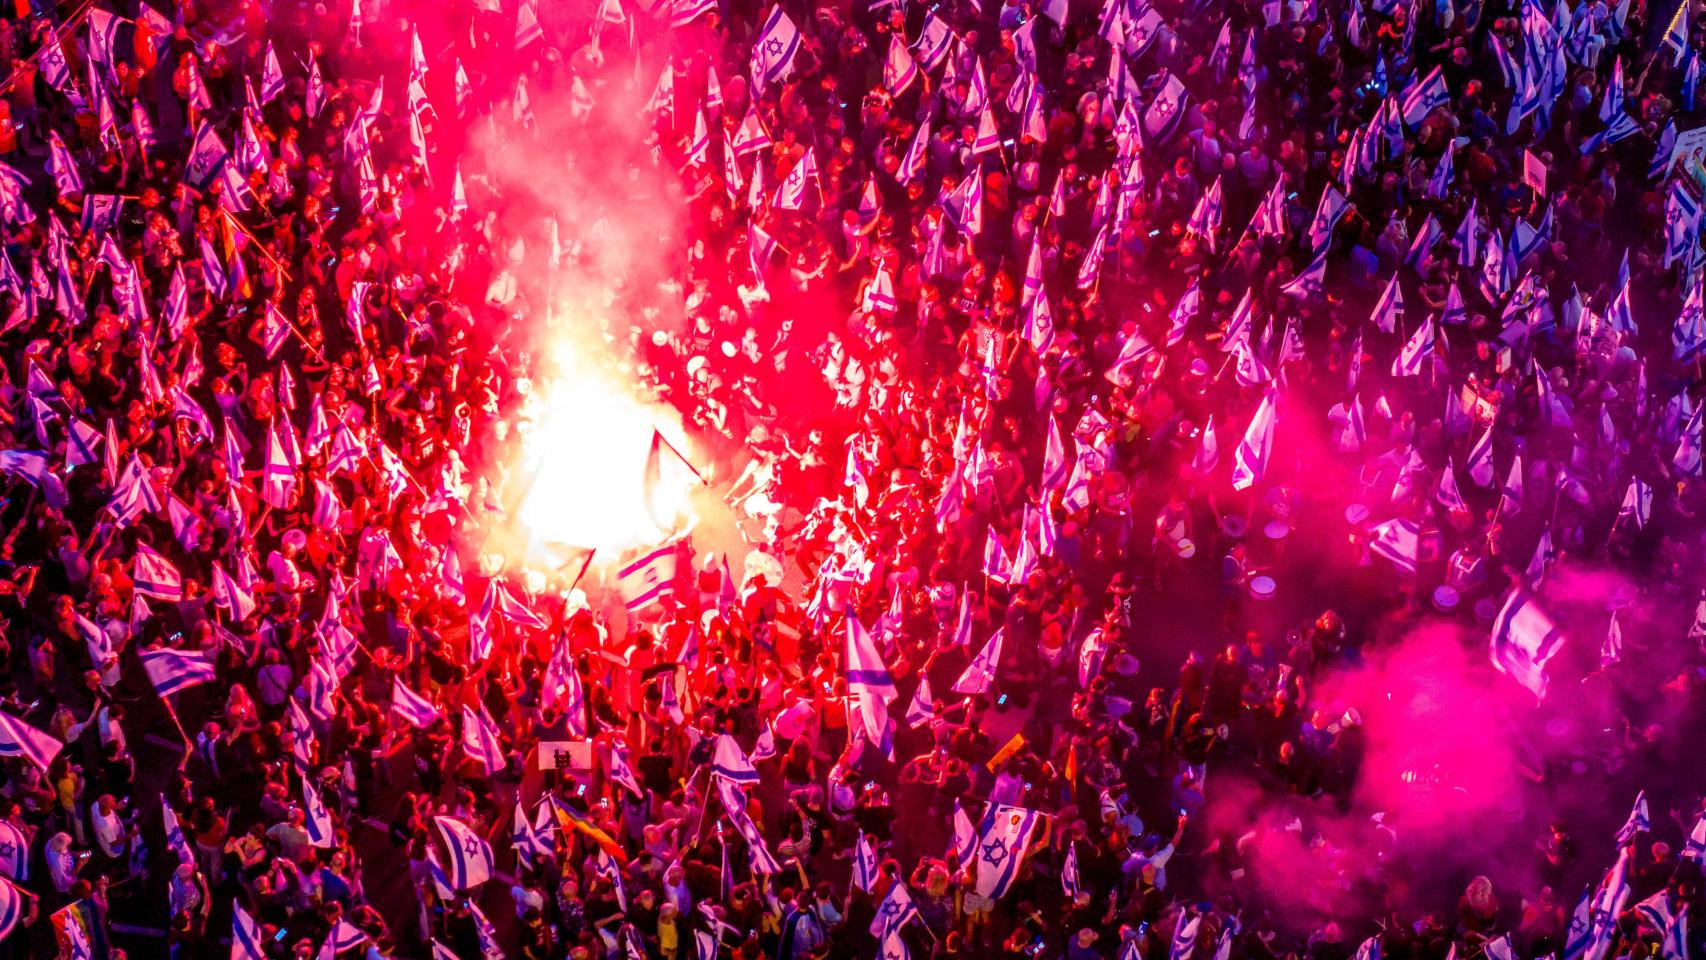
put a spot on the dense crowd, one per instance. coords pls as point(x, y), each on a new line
point(1093, 390)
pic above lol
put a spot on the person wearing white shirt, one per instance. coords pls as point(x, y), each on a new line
point(109, 828)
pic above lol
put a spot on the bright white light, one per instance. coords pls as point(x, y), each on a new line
point(587, 457)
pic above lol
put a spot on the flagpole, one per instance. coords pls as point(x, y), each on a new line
point(681, 457)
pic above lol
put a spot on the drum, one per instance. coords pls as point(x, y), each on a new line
point(1486, 609)
point(1262, 586)
point(1355, 514)
point(1234, 526)
point(1185, 548)
point(1445, 598)
point(1277, 530)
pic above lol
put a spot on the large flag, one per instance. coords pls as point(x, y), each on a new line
point(413, 708)
point(154, 576)
point(317, 820)
point(14, 852)
point(534, 841)
point(480, 739)
point(900, 71)
point(731, 763)
point(979, 675)
point(895, 912)
point(1001, 847)
point(246, 941)
point(868, 677)
point(173, 670)
point(1398, 541)
point(1524, 640)
point(470, 862)
point(648, 579)
point(1251, 456)
point(207, 155)
point(1416, 352)
point(19, 739)
point(343, 937)
point(773, 51)
point(1161, 119)
point(1424, 95)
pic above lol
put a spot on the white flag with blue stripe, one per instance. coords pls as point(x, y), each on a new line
point(731, 763)
point(317, 820)
point(480, 739)
point(895, 912)
point(19, 739)
point(173, 670)
point(1001, 847)
point(1638, 822)
point(413, 708)
point(470, 860)
point(1184, 937)
point(1253, 452)
point(1417, 351)
point(773, 51)
point(246, 941)
point(979, 675)
point(864, 864)
point(1524, 640)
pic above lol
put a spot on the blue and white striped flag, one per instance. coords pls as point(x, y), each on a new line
point(534, 842)
point(895, 912)
point(14, 852)
point(648, 579)
point(773, 51)
point(964, 842)
point(1002, 844)
point(1069, 881)
point(1389, 311)
point(1638, 822)
point(471, 862)
point(1524, 640)
point(979, 674)
point(731, 763)
point(154, 576)
point(480, 739)
point(1424, 95)
point(173, 670)
point(413, 708)
point(1694, 848)
point(1250, 459)
point(864, 863)
point(867, 674)
point(317, 820)
point(1417, 351)
point(1398, 541)
point(246, 941)
point(343, 937)
point(1185, 935)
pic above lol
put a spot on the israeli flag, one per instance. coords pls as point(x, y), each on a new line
point(1416, 352)
point(1524, 640)
point(246, 943)
point(174, 670)
point(471, 862)
point(413, 708)
point(731, 763)
point(1390, 308)
point(1253, 451)
point(533, 843)
point(317, 820)
point(1638, 822)
point(979, 675)
point(895, 912)
point(864, 864)
point(773, 52)
point(1002, 843)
